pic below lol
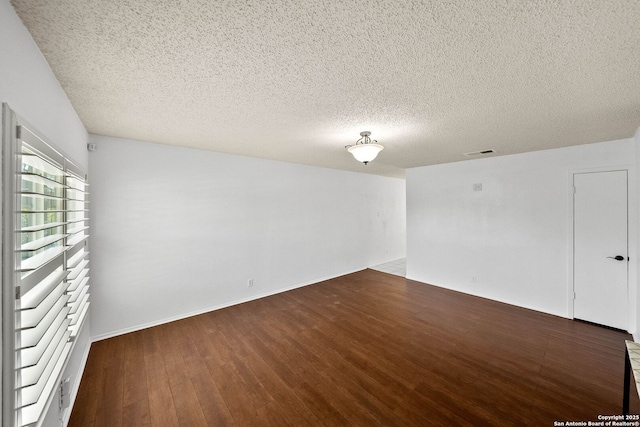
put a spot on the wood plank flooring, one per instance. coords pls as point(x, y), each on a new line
point(364, 349)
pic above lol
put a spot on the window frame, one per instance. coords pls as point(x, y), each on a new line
point(58, 303)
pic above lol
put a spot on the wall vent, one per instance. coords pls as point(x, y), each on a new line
point(480, 153)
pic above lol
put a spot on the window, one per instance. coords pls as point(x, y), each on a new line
point(45, 269)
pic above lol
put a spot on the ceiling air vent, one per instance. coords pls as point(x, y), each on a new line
point(480, 153)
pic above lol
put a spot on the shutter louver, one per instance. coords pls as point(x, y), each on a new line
point(51, 274)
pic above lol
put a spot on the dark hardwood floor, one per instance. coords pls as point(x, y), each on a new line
point(364, 349)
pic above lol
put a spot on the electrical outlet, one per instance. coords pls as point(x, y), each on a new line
point(65, 386)
point(65, 393)
point(250, 283)
point(474, 279)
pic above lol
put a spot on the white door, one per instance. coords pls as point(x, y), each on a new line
point(600, 248)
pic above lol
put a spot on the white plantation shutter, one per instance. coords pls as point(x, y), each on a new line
point(45, 269)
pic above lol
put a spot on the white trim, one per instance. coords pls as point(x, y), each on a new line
point(570, 287)
point(76, 384)
point(633, 251)
point(216, 307)
point(631, 240)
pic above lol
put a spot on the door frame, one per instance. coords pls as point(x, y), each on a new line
point(632, 282)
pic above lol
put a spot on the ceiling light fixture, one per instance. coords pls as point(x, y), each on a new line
point(365, 149)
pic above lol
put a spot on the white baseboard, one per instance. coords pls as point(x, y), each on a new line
point(215, 307)
point(492, 298)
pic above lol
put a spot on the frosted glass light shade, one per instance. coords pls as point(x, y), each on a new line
point(365, 152)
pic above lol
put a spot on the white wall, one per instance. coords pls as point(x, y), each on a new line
point(514, 236)
point(30, 88)
point(179, 231)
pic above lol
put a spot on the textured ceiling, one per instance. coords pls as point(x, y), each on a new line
point(298, 80)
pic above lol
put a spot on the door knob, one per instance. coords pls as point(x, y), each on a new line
point(617, 257)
